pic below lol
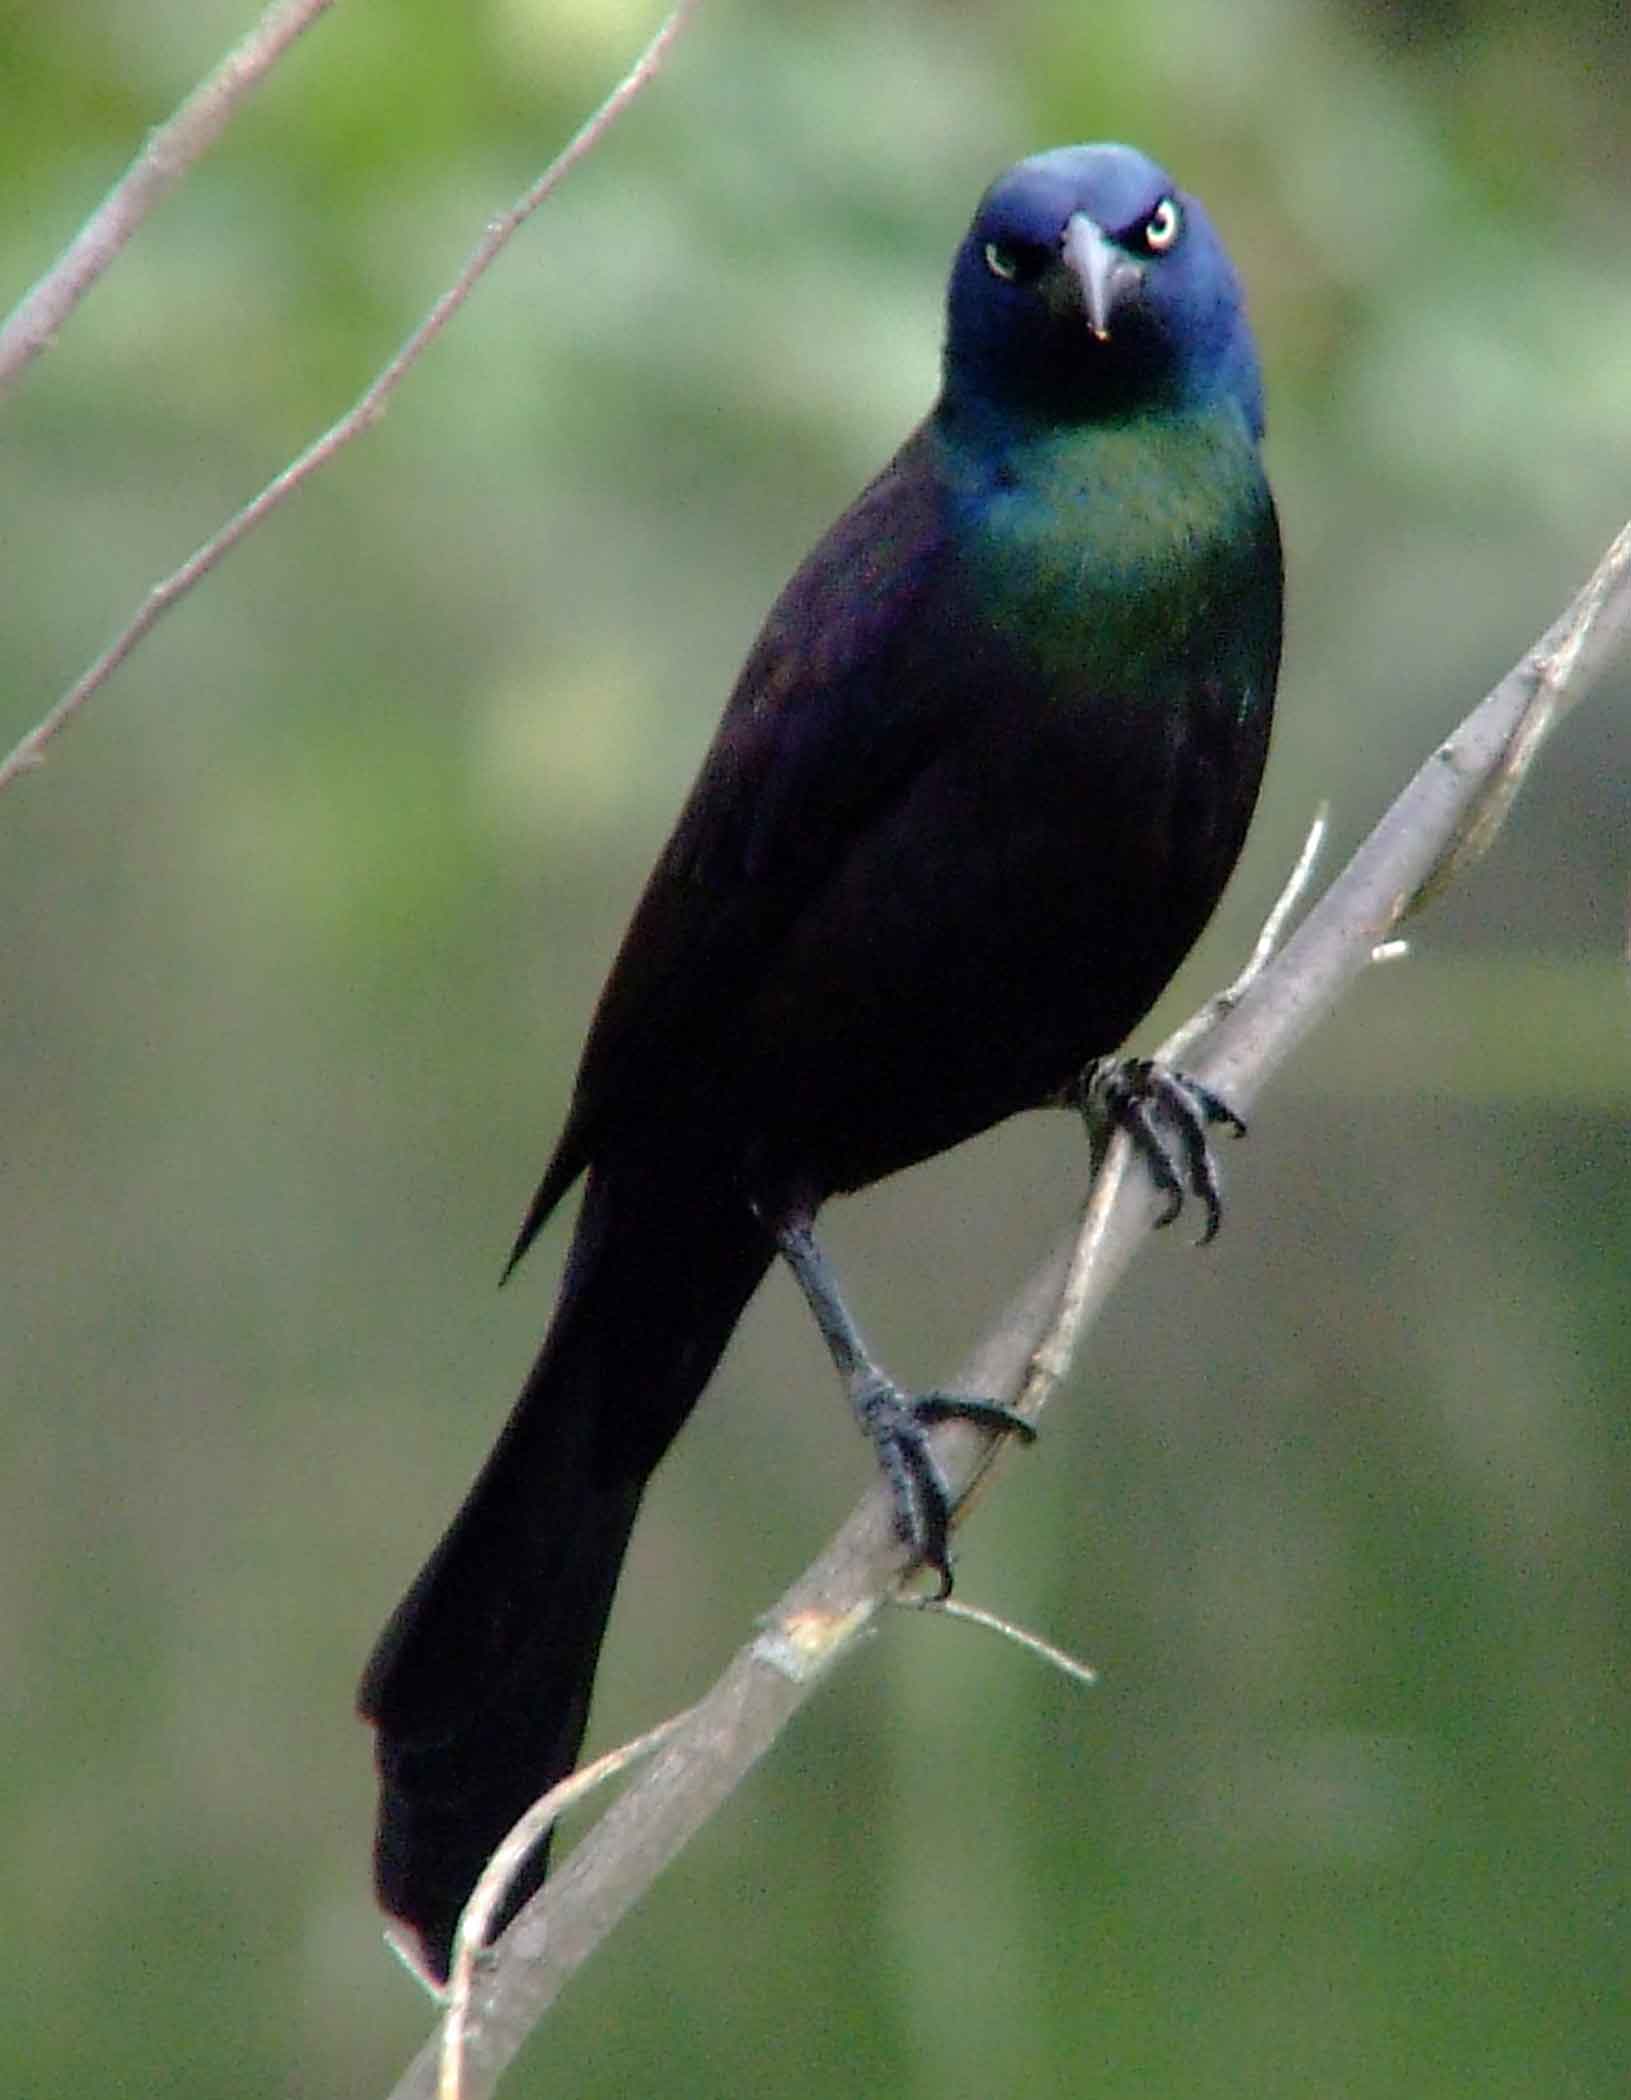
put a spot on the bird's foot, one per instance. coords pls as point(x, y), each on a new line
point(899, 1424)
point(1168, 1116)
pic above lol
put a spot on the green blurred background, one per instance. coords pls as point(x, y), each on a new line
point(303, 922)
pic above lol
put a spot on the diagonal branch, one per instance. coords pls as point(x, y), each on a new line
point(1447, 815)
point(169, 152)
point(367, 411)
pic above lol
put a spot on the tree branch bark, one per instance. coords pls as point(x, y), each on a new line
point(1446, 817)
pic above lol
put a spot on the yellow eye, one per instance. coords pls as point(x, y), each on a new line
point(1001, 262)
point(1163, 226)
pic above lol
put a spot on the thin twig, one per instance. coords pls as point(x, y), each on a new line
point(475, 1921)
point(30, 752)
point(1264, 949)
point(1032, 1643)
point(35, 322)
point(822, 1617)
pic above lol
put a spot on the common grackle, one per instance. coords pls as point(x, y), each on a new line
point(976, 792)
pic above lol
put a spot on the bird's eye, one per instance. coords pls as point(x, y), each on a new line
point(1013, 261)
point(1163, 226)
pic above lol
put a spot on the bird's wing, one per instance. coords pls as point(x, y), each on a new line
point(850, 688)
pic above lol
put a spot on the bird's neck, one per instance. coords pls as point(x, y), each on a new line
point(1000, 432)
point(1137, 482)
point(1068, 526)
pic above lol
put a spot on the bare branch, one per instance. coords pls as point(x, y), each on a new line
point(1469, 780)
point(489, 1892)
point(1033, 1643)
point(30, 752)
point(1176, 1046)
point(170, 151)
point(1461, 795)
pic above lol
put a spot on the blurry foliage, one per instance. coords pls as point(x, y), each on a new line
point(306, 916)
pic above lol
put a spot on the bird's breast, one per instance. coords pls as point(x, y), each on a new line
point(1099, 561)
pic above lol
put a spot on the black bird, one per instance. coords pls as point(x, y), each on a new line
point(978, 789)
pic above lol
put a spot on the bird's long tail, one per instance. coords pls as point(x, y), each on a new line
point(479, 1686)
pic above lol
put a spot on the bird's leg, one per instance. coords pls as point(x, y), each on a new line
point(1167, 1114)
point(897, 1422)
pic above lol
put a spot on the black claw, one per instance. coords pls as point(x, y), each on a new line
point(1168, 1116)
point(1212, 1106)
point(900, 1425)
point(984, 1414)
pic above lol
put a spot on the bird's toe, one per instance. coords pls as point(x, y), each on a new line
point(1169, 1116)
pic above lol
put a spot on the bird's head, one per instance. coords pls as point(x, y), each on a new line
point(1090, 287)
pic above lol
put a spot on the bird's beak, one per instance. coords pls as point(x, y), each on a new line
point(1106, 277)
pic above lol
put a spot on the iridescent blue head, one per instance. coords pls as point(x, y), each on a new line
point(1091, 288)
